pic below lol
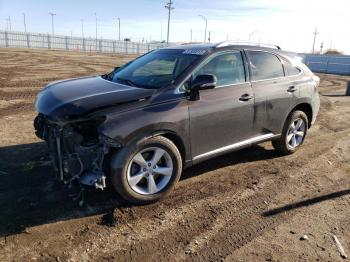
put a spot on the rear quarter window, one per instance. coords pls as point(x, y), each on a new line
point(290, 69)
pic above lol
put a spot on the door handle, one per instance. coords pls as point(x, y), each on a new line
point(246, 97)
point(291, 89)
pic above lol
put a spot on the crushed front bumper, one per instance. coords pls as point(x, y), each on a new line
point(76, 149)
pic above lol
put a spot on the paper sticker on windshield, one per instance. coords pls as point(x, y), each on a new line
point(194, 52)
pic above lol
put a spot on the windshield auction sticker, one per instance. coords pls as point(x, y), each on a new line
point(194, 52)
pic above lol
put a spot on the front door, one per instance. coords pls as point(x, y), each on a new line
point(222, 116)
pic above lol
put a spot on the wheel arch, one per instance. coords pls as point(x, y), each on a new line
point(307, 109)
point(151, 131)
point(176, 139)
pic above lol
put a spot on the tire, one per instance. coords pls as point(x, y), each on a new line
point(137, 175)
point(286, 144)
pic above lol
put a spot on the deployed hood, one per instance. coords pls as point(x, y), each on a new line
point(75, 97)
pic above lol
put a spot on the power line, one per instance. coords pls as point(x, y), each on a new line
point(52, 23)
point(170, 7)
point(205, 31)
point(313, 45)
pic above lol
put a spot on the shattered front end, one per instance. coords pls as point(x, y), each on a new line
point(77, 149)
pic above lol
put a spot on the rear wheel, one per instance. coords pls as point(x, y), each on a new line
point(149, 170)
point(293, 134)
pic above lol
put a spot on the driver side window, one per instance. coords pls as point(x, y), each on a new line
point(228, 69)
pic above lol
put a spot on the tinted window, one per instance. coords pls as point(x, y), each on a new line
point(265, 65)
point(228, 68)
point(290, 69)
point(161, 66)
point(156, 69)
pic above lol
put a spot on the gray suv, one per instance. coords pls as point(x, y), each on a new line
point(139, 126)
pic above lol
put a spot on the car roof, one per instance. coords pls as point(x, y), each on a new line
point(226, 45)
point(237, 44)
point(192, 46)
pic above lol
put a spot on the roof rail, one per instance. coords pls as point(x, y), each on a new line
point(229, 43)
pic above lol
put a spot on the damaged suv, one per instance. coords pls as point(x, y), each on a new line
point(137, 127)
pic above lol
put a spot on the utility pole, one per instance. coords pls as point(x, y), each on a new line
point(96, 28)
point(52, 23)
point(313, 45)
point(7, 24)
point(82, 28)
point(9, 19)
point(209, 37)
point(252, 33)
point(321, 47)
point(24, 21)
point(170, 7)
point(206, 24)
point(119, 28)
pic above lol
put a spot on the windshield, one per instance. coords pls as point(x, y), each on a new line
point(156, 69)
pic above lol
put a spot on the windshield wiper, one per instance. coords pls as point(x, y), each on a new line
point(128, 82)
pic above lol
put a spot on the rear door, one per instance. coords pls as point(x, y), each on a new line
point(273, 92)
point(223, 115)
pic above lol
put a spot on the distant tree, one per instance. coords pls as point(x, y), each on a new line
point(333, 52)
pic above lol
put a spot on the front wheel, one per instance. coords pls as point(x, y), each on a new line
point(146, 171)
point(293, 134)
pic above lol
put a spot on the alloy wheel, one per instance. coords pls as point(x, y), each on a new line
point(296, 133)
point(150, 170)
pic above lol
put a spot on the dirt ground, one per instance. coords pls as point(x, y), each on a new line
point(252, 205)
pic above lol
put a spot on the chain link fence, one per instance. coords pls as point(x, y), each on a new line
point(47, 41)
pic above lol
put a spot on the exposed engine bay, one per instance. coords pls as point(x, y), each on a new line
point(77, 150)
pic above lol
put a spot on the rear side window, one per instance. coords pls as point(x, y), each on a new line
point(290, 69)
point(264, 65)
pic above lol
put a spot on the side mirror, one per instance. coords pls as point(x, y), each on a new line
point(202, 82)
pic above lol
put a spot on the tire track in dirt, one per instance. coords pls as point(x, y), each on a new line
point(18, 95)
point(238, 232)
point(180, 224)
point(239, 213)
point(15, 109)
point(29, 83)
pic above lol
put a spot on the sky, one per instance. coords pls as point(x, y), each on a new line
point(287, 23)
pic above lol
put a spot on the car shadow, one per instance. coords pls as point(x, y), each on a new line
point(306, 203)
point(30, 195)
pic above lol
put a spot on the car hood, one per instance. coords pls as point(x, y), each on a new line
point(75, 97)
